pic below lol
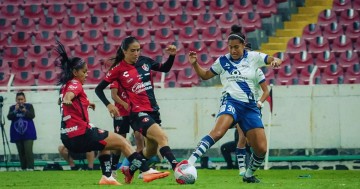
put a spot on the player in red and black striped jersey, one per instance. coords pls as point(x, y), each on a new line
point(134, 72)
point(78, 134)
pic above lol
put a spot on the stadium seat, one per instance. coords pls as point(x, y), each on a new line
point(93, 23)
point(205, 60)
point(332, 31)
point(211, 34)
point(250, 21)
point(180, 62)
point(57, 11)
point(126, 9)
point(319, 45)
point(79, 10)
point(356, 6)
point(21, 39)
point(45, 38)
point(92, 37)
point(6, 25)
point(93, 62)
point(205, 21)
point(284, 57)
point(182, 21)
point(71, 23)
point(286, 75)
point(139, 21)
point(164, 36)
point(12, 53)
point(325, 59)
point(301, 60)
point(48, 24)
point(84, 50)
point(24, 78)
point(226, 20)
point(198, 46)
point(33, 11)
point(269, 75)
point(116, 22)
point(47, 77)
point(25, 25)
point(333, 74)
point(4, 78)
point(195, 8)
point(34, 2)
point(357, 46)
point(341, 5)
point(20, 65)
point(69, 38)
point(142, 35)
point(180, 49)
point(353, 31)
point(218, 7)
point(149, 9)
point(295, 45)
point(172, 8)
point(341, 44)
point(151, 49)
point(304, 77)
point(12, 2)
point(326, 17)
point(44, 63)
point(103, 10)
point(347, 59)
point(95, 76)
point(310, 32)
point(187, 77)
point(10, 12)
point(160, 21)
point(266, 8)
point(187, 35)
point(218, 48)
point(171, 84)
point(169, 76)
point(36, 52)
point(242, 7)
point(115, 36)
point(3, 40)
point(106, 50)
point(353, 74)
point(349, 16)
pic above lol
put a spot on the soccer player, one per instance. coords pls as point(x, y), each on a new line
point(133, 73)
point(79, 135)
point(237, 71)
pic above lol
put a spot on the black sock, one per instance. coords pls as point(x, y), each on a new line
point(105, 164)
point(114, 161)
point(137, 162)
point(167, 153)
point(142, 155)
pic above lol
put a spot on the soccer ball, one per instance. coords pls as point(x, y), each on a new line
point(185, 174)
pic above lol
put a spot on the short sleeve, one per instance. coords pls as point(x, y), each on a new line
point(112, 74)
point(114, 85)
point(75, 87)
point(216, 68)
point(259, 58)
point(260, 77)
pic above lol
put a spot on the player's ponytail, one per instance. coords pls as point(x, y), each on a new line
point(236, 34)
point(120, 52)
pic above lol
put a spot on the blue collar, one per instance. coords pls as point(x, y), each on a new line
point(245, 54)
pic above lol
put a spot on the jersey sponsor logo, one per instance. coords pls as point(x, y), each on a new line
point(65, 118)
point(108, 75)
point(145, 67)
point(129, 80)
point(126, 74)
point(73, 87)
point(69, 130)
point(123, 95)
point(140, 87)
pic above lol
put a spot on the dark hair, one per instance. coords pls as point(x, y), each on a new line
point(20, 94)
point(248, 45)
point(67, 64)
point(123, 47)
point(236, 34)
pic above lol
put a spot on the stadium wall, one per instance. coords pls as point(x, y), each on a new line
point(310, 117)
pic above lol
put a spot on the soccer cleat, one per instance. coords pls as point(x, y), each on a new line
point(152, 175)
point(114, 174)
point(128, 176)
point(185, 161)
point(140, 176)
point(108, 181)
point(251, 179)
point(242, 171)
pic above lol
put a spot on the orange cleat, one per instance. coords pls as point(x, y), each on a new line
point(152, 175)
point(108, 181)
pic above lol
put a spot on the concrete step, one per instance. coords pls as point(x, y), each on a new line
point(279, 39)
point(318, 2)
point(288, 33)
point(296, 25)
point(312, 10)
point(303, 17)
point(274, 46)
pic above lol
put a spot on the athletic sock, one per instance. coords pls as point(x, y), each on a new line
point(167, 153)
point(105, 164)
point(201, 149)
point(137, 162)
point(255, 163)
point(114, 161)
point(240, 156)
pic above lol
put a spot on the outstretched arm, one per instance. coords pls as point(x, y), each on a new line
point(99, 90)
point(204, 74)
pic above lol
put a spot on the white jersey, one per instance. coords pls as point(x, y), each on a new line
point(260, 78)
point(240, 79)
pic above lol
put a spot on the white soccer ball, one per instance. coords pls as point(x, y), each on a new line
point(185, 174)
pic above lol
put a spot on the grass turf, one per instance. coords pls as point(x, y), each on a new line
point(222, 179)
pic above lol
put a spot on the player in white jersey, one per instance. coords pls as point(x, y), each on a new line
point(237, 74)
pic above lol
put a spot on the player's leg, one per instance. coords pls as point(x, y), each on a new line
point(241, 151)
point(90, 157)
point(64, 153)
point(223, 123)
point(121, 127)
point(226, 150)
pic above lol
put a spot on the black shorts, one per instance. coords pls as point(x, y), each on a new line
point(92, 140)
point(122, 125)
point(141, 121)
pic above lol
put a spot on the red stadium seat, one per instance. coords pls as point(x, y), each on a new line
point(188, 35)
point(57, 11)
point(353, 74)
point(142, 35)
point(269, 75)
point(341, 44)
point(84, 50)
point(36, 52)
point(356, 6)
point(218, 48)
point(33, 11)
point(45, 38)
point(182, 21)
point(47, 77)
point(180, 49)
point(92, 37)
point(44, 63)
point(71, 23)
point(151, 49)
point(266, 8)
point(24, 78)
point(332, 31)
point(34, 2)
point(326, 17)
point(310, 32)
point(205, 60)
point(93, 23)
point(139, 21)
point(319, 45)
point(6, 25)
point(4, 78)
point(172, 8)
point(197, 46)
point(93, 62)
point(250, 21)
point(357, 46)
point(3, 40)
point(353, 30)
point(349, 16)
point(302, 59)
point(115, 36)
point(116, 22)
point(149, 9)
point(21, 65)
point(180, 63)
point(284, 57)
point(105, 51)
point(325, 59)
point(12, 53)
point(25, 25)
point(195, 8)
point(21, 39)
point(211, 34)
point(227, 20)
point(79, 10)
point(204, 21)
point(347, 59)
point(12, 2)
point(187, 77)
point(333, 74)
point(95, 76)
point(304, 77)
point(103, 10)
point(164, 36)
point(10, 12)
point(218, 7)
point(48, 24)
point(171, 84)
point(286, 75)
point(295, 45)
point(242, 7)
point(160, 21)
point(341, 5)
point(69, 38)
point(169, 76)
point(126, 9)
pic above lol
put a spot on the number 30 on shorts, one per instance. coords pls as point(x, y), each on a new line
point(227, 108)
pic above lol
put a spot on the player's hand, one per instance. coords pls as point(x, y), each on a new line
point(126, 106)
point(114, 112)
point(67, 102)
point(171, 49)
point(92, 106)
point(192, 57)
point(276, 63)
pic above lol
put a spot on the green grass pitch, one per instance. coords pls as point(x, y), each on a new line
point(207, 179)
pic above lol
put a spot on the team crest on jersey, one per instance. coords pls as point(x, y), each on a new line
point(145, 67)
point(145, 119)
point(117, 128)
point(235, 72)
